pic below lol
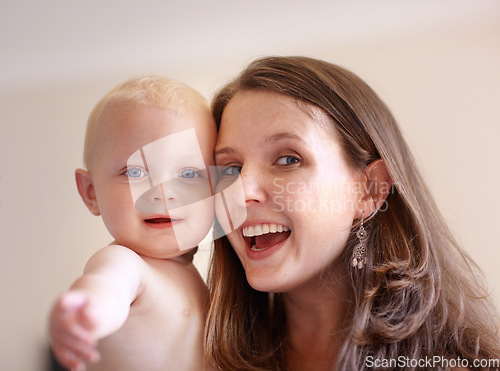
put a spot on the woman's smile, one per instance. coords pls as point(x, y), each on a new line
point(263, 236)
point(264, 239)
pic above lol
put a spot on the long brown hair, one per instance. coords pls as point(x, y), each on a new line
point(419, 294)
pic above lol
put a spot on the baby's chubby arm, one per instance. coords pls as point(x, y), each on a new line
point(96, 305)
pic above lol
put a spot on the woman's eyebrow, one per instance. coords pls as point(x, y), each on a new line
point(272, 139)
point(223, 151)
point(282, 136)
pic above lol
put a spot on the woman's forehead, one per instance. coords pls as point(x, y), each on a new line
point(280, 112)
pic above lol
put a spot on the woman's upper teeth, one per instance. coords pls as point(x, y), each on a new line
point(260, 229)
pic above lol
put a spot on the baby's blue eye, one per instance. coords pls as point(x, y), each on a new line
point(135, 172)
point(231, 170)
point(189, 173)
point(287, 160)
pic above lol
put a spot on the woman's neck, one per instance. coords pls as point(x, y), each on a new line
point(316, 314)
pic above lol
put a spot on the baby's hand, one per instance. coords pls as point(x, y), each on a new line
point(71, 331)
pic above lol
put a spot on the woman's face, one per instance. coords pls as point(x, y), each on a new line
point(300, 194)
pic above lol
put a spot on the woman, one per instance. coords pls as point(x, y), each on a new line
point(344, 261)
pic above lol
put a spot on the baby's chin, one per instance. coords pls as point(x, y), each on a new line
point(167, 250)
point(184, 256)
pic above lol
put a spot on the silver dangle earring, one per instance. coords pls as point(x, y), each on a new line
point(359, 253)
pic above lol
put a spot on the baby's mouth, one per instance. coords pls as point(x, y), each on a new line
point(262, 236)
point(161, 220)
point(158, 220)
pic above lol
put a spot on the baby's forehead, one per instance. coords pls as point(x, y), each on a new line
point(129, 125)
point(153, 92)
point(120, 110)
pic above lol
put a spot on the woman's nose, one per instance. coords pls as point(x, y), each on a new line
point(254, 185)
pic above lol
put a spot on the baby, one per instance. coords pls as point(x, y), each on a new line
point(148, 146)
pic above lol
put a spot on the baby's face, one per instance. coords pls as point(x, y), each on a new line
point(150, 176)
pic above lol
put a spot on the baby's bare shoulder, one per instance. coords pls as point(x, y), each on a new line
point(115, 255)
point(180, 285)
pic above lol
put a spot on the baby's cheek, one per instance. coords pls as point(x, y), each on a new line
point(198, 219)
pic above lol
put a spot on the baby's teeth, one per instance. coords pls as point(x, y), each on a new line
point(273, 228)
point(285, 229)
point(265, 228)
point(280, 228)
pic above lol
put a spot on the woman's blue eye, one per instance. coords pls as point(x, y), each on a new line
point(189, 173)
point(287, 160)
point(135, 172)
point(231, 170)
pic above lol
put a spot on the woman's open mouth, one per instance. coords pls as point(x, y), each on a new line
point(261, 237)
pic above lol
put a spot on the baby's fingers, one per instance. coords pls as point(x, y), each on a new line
point(68, 360)
point(69, 302)
point(71, 362)
point(75, 354)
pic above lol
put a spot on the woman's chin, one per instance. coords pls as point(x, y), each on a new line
point(267, 283)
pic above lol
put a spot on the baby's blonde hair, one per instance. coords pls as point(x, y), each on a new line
point(156, 91)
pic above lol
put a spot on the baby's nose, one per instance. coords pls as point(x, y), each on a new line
point(155, 200)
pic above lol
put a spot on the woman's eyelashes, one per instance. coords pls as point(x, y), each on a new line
point(281, 161)
point(231, 170)
point(288, 160)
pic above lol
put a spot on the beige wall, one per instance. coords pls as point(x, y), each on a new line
point(438, 73)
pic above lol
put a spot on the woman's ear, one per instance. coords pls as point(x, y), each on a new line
point(86, 190)
point(376, 188)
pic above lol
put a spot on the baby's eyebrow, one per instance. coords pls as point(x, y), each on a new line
point(121, 162)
